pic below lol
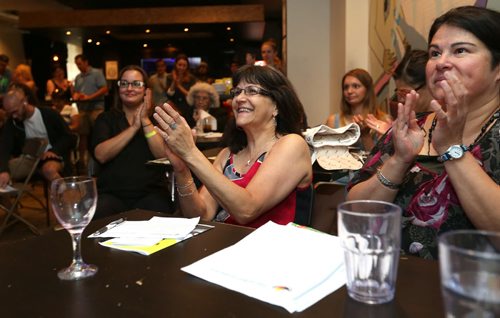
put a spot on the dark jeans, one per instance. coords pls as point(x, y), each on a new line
point(109, 204)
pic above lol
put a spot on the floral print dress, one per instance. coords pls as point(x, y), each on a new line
point(430, 204)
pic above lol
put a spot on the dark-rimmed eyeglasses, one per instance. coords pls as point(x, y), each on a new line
point(249, 91)
point(135, 84)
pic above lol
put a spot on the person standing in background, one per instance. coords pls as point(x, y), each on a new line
point(90, 89)
point(179, 82)
point(269, 52)
point(5, 76)
point(158, 83)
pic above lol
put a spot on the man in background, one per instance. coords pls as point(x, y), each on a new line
point(90, 89)
point(25, 120)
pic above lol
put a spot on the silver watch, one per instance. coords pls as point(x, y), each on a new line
point(454, 152)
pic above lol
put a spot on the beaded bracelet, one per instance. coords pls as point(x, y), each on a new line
point(150, 134)
point(386, 182)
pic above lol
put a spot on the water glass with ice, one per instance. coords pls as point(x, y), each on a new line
point(370, 233)
point(469, 261)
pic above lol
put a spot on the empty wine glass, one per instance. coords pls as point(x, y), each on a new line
point(73, 202)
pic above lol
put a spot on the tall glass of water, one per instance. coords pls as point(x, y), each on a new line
point(370, 234)
point(74, 201)
point(470, 273)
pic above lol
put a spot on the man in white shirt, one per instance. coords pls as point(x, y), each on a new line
point(27, 121)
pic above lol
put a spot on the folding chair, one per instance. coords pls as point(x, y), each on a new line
point(24, 166)
point(327, 196)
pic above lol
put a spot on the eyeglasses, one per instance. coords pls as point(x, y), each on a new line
point(249, 91)
point(135, 84)
point(400, 94)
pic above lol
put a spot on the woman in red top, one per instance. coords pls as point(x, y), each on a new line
point(254, 179)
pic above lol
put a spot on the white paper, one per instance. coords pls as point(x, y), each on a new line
point(156, 227)
point(7, 189)
point(287, 266)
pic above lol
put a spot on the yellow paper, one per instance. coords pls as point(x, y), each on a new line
point(144, 250)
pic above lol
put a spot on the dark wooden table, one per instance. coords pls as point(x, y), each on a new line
point(133, 285)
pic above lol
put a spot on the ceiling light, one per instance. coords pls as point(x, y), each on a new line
point(231, 40)
point(108, 32)
point(89, 41)
point(68, 32)
point(228, 28)
point(55, 58)
point(97, 43)
point(145, 45)
point(147, 30)
point(186, 29)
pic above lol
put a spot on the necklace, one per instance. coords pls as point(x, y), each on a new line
point(252, 159)
point(494, 117)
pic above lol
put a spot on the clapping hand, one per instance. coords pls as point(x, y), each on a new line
point(408, 137)
point(450, 123)
point(376, 124)
point(176, 133)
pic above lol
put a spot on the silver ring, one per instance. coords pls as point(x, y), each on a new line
point(173, 125)
point(378, 126)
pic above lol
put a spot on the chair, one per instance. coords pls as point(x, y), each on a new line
point(304, 206)
point(24, 167)
point(327, 196)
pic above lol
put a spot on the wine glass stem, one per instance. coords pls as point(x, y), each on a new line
point(77, 253)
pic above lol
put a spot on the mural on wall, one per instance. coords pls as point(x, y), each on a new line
point(396, 25)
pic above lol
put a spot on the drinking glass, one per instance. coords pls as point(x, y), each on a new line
point(370, 233)
point(470, 273)
point(74, 201)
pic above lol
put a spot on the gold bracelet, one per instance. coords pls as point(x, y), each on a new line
point(386, 182)
point(144, 126)
point(150, 134)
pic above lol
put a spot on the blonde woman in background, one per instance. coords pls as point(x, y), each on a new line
point(22, 75)
point(359, 106)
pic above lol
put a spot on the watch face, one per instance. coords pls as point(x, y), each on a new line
point(456, 152)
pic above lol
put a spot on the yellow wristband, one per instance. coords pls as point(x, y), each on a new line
point(150, 134)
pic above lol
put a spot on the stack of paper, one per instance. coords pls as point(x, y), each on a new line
point(288, 266)
point(147, 237)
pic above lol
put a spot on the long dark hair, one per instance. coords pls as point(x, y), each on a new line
point(411, 69)
point(483, 23)
point(291, 114)
point(118, 104)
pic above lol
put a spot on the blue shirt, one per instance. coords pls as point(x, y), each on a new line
point(88, 83)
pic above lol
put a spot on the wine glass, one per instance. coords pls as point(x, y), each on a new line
point(74, 201)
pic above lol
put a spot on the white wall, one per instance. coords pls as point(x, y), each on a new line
point(309, 55)
point(11, 44)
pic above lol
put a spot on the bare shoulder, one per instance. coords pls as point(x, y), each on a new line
point(292, 142)
point(221, 158)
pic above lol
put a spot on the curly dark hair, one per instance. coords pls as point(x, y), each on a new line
point(291, 116)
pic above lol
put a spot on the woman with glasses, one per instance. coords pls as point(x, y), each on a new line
point(410, 75)
point(123, 141)
point(359, 105)
point(257, 177)
point(443, 168)
point(204, 97)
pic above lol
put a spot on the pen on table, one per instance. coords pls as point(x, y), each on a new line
point(108, 227)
